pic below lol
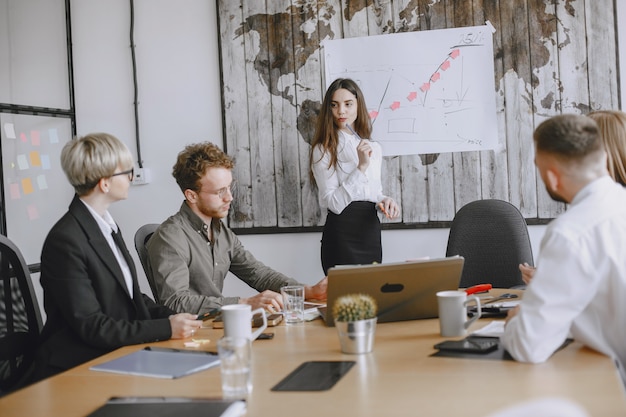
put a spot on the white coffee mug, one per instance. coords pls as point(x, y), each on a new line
point(453, 319)
point(238, 321)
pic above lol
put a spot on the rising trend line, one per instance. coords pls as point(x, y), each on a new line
point(380, 104)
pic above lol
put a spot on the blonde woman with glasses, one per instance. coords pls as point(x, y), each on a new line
point(91, 295)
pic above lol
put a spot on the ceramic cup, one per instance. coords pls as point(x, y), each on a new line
point(453, 319)
point(238, 321)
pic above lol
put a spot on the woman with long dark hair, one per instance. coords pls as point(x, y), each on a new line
point(346, 166)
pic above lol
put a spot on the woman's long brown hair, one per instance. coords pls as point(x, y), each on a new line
point(326, 132)
point(612, 127)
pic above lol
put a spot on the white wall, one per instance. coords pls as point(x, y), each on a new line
point(180, 103)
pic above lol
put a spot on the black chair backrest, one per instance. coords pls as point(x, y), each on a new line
point(20, 318)
point(143, 234)
point(492, 236)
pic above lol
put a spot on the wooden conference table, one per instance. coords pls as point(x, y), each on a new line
point(399, 378)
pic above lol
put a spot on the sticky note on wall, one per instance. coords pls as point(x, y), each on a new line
point(53, 135)
point(9, 130)
point(33, 212)
point(14, 191)
point(35, 138)
point(27, 185)
point(45, 161)
point(35, 160)
point(42, 182)
point(22, 162)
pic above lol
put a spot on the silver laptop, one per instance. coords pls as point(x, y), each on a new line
point(402, 290)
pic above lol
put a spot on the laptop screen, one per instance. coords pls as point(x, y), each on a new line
point(402, 290)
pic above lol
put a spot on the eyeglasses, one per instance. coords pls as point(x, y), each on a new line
point(222, 192)
point(130, 173)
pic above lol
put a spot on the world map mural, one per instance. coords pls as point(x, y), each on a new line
point(549, 57)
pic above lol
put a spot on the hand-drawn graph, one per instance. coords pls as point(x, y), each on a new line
point(426, 92)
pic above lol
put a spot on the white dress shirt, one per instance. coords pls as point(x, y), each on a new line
point(339, 187)
point(107, 226)
point(579, 287)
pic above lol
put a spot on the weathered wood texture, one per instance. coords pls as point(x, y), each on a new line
point(550, 57)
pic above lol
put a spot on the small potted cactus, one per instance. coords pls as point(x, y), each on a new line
point(355, 319)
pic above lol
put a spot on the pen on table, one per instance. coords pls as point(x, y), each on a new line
point(164, 349)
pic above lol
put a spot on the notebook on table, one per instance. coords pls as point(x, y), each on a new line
point(402, 290)
point(160, 362)
point(170, 406)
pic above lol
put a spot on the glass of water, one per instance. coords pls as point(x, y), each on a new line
point(293, 301)
point(235, 358)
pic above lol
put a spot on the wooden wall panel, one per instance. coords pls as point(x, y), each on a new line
point(602, 54)
point(308, 59)
point(494, 164)
point(235, 103)
point(546, 92)
point(550, 56)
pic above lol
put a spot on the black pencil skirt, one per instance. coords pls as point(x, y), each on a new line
point(352, 237)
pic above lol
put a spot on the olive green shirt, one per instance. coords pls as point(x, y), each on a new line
point(189, 270)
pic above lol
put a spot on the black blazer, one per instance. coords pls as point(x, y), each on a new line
point(89, 309)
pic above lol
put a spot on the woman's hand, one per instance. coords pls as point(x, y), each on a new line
point(364, 150)
point(389, 207)
point(184, 325)
point(527, 272)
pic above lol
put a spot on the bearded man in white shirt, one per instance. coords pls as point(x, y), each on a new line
point(579, 287)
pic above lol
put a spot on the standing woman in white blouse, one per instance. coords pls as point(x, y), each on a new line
point(346, 166)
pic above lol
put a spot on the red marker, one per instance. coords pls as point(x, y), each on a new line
point(478, 288)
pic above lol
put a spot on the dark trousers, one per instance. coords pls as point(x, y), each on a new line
point(352, 237)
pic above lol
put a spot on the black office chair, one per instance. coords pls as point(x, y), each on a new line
point(492, 236)
point(20, 318)
point(143, 234)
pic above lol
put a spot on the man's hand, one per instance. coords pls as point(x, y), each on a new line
point(184, 325)
point(269, 300)
point(317, 291)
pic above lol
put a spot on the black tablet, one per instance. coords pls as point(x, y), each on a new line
point(314, 376)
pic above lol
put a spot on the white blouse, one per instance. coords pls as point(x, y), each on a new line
point(339, 187)
point(107, 225)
